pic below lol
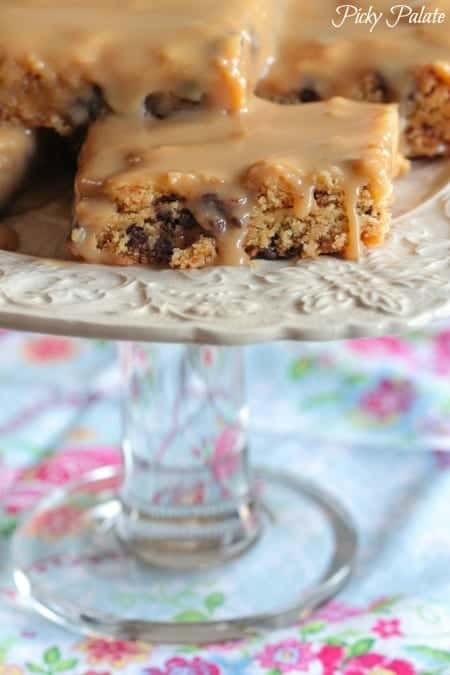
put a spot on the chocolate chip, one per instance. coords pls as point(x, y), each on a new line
point(91, 107)
point(172, 219)
point(138, 240)
point(96, 104)
point(186, 220)
point(269, 253)
point(381, 85)
point(308, 95)
point(164, 215)
point(373, 87)
point(214, 213)
point(213, 199)
point(162, 251)
point(160, 104)
point(169, 197)
point(83, 111)
point(177, 230)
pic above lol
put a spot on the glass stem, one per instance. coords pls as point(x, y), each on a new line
point(187, 494)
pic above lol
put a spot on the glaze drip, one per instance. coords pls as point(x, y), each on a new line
point(220, 169)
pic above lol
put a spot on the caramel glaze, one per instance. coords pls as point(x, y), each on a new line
point(17, 146)
point(129, 49)
point(231, 157)
point(315, 57)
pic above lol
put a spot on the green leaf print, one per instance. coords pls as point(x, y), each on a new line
point(7, 526)
point(300, 367)
point(325, 398)
point(101, 344)
point(53, 663)
point(355, 378)
point(360, 647)
point(189, 649)
point(213, 601)
point(65, 665)
point(312, 627)
point(34, 668)
point(430, 652)
point(273, 671)
point(52, 656)
point(190, 616)
point(5, 646)
point(385, 605)
point(445, 407)
point(335, 642)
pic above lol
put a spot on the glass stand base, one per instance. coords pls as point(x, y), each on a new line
point(72, 567)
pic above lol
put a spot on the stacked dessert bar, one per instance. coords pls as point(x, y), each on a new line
point(216, 133)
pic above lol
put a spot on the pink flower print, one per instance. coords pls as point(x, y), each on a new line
point(377, 664)
point(442, 458)
point(22, 497)
point(225, 458)
point(180, 666)
point(442, 352)
point(389, 398)
point(97, 672)
point(336, 611)
point(330, 657)
point(287, 656)
point(387, 628)
point(383, 346)
point(56, 523)
point(207, 357)
point(47, 349)
point(115, 653)
point(222, 456)
point(8, 476)
point(72, 464)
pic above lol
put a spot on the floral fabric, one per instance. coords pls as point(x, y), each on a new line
point(383, 451)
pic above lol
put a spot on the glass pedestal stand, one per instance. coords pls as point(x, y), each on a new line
point(142, 553)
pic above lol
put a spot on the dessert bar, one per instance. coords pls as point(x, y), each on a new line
point(326, 49)
point(204, 188)
point(64, 66)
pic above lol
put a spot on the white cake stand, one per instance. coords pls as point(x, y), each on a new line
point(186, 506)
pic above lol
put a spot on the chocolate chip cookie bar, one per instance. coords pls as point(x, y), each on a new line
point(62, 65)
point(205, 188)
point(326, 49)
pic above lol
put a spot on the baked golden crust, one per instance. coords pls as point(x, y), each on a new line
point(427, 129)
